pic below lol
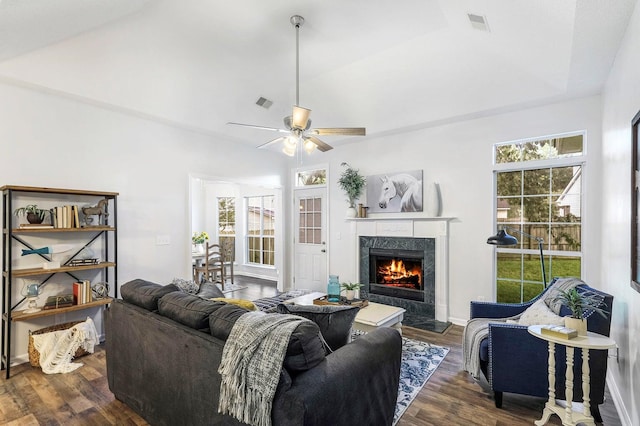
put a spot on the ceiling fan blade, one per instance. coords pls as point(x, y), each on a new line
point(300, 117)
point(253, 126)
point(335, 131)
point(276, 140)
point(321, 145)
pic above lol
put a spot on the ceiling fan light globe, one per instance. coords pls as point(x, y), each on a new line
point(288, 150)
point(309, 146)
point(300, 117)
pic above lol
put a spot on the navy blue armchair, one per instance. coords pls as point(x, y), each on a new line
point(514, 361)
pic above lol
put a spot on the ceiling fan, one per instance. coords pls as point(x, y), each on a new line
point(298, 124)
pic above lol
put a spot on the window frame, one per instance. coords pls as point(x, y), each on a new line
point(521, 166)
point(261, 236)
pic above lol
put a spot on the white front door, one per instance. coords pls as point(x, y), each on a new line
point(310, 269)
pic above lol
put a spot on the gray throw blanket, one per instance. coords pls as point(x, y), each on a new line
point(251, 363)
point(477, 329)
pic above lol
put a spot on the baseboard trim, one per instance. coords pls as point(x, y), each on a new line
point(618, 402)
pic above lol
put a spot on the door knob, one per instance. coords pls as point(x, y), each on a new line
point(323, 251)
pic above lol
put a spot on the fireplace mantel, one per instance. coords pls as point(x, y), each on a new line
point(416, 227)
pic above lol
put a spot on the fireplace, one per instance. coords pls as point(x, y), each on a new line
point(396, 273)
point(400, 271)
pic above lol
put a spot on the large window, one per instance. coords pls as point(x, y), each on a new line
point(261, 229)
point(227, 227)
point(538, 194)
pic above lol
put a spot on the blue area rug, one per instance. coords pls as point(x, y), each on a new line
point(419, 361)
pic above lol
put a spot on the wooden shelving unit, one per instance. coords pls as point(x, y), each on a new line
point(14, 236)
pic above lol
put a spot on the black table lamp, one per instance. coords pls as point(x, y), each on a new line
point(504, 239)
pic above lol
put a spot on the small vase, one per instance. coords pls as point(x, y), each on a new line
point(351, 212)
point(578, 324)
point(333, 289)
point(350, 294)
point(198, 248)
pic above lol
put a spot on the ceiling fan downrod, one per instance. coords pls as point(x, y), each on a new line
point(297, 21)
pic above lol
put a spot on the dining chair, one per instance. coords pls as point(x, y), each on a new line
point(228, 247)
point(212, 268)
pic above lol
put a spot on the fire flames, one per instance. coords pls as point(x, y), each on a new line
point(395, 273)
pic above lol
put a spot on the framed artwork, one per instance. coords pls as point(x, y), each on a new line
point(635, 220)
point(395, 192)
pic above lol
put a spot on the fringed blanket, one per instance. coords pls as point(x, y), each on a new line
point(251, 363)
point(477, 329)
point(57, 348)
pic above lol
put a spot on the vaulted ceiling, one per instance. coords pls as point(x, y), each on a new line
point(385, 65)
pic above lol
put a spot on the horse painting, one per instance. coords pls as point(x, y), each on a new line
point(408, 188)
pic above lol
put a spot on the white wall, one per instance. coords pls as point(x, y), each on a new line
point(621, 101)
point(459, 157)
point(47, 140)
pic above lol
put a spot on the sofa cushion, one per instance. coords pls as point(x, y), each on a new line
point(335, 322)
point(222, 320)
point(209, 290)
point(305, 349)
point(188, 309)
point(144, 293)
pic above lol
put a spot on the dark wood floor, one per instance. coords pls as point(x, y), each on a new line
point(82, 397)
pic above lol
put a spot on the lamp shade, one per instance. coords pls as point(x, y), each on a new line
point(502, 239)
point(300, 117)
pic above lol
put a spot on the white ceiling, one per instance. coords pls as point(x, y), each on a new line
point(386, 65)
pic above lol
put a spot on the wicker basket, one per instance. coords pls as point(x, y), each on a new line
point(34, 355)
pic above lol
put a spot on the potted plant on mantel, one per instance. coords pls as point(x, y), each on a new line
point(351, 182)
point(579, 303)
point(33, 214)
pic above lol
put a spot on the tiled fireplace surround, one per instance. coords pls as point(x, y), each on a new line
point(430, 235)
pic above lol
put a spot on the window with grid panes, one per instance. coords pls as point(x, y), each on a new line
point(261, 229)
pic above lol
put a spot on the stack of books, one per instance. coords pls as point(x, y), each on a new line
point(59, 301)
point(82, 292)
point(559, 331)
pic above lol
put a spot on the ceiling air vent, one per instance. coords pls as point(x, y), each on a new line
point(264, 102)
point(478, 22)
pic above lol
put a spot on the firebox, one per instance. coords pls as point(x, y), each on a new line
point(397, 273)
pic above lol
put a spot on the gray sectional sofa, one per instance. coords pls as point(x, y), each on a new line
point(164, 347)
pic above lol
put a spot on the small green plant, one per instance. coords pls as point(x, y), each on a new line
point(579, 302)
point(350, 286)
point(31, 209)
point(351, 182)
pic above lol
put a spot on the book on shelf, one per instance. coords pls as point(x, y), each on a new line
point(59, 301)
point(559, 331)
point(82, 292)
point(35, 225)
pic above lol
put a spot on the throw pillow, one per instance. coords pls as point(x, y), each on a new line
point(188, 286)
point(335, 322)
point(188, 309)
point(539, 313)
point(209, 290)
point(247, 304)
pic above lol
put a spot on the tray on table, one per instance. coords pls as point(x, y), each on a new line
point(324, 300)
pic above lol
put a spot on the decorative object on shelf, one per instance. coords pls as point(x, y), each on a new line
point(54, 248)
point(362, 211)
point(352, 183)
point(80, 262)
point(100, 290)
point(100, 209)
point(333, 289)
point(33, 214)
point(350, 289)
point(59, 301)
point(32, 292)
point(395, 193)
point(433, 200)
point(504, 239)
point(324, 300)
point(579, 303)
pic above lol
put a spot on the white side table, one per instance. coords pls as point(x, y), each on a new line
point(568, 415)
